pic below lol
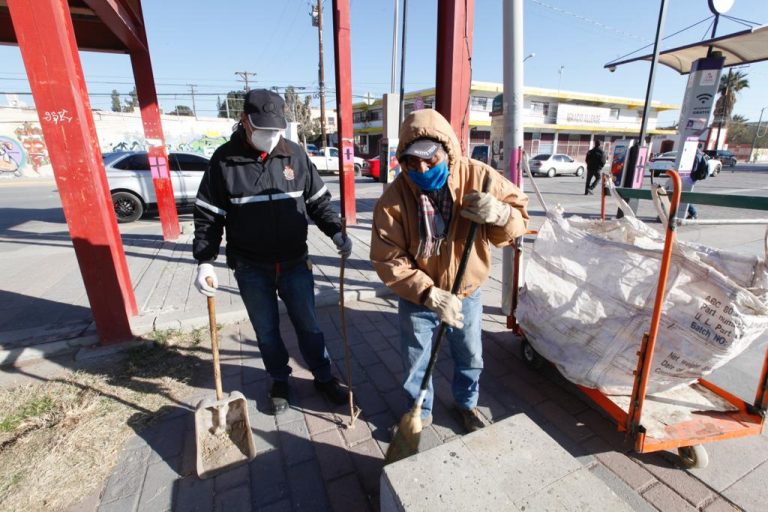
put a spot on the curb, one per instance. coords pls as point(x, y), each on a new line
point(84, 343)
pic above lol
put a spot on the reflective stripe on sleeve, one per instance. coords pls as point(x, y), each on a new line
point(210, 207)
point(318, 194)
point(266, 197)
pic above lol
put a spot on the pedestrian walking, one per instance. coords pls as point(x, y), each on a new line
point(259, 189)
point(595, 162)
point(420, 225)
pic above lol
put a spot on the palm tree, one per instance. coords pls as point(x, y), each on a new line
point(730, 85)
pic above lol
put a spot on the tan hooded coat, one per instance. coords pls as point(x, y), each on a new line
point(395, 233)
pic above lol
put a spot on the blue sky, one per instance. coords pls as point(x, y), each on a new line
point(202, 43)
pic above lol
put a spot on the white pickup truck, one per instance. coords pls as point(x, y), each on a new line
point(327, 161)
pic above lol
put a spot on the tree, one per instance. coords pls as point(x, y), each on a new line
point(115, 101)
point(234, 100)
point(730, 85)
point(738, 130)
point(300, 112)
point(132, 102)
point(181, 110)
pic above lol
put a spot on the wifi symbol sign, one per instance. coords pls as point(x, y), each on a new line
point(704, 98)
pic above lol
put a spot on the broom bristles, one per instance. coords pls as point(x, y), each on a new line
point(406, 440)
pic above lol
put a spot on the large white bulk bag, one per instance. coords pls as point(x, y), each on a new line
point(589, 294)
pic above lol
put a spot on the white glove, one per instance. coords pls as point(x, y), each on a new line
point(204, 271)
point(446, 305)
point(485, 209)
point(343, 244)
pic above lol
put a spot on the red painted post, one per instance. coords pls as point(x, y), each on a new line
point(47, 42)
point(153, 133)
point(455, 20)
point(342, 54)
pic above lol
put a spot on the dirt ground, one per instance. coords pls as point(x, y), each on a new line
point(60, 438)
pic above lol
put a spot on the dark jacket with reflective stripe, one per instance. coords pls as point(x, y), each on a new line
point(262, 204)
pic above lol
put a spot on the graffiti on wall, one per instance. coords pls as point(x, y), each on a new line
point(12, 157)
point(203, 145)
point(23, 151)
point(36, 153)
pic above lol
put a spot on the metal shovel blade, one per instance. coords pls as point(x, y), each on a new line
point(222, 434)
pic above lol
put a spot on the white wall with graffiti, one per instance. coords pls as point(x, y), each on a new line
point(23, 152)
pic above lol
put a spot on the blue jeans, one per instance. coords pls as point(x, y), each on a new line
point(418, 325)
point(259, 286)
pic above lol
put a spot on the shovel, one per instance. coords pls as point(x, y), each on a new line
point(354, 411)
point(222, 429)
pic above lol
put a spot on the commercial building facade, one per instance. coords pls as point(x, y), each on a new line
point(553, 121)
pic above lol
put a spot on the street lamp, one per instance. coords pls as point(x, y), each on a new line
point(757, 131)
point(560, 76)
point(530, 55)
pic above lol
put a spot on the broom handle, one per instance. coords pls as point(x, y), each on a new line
point(454, 290)
point(214, 343)
point(347, 355)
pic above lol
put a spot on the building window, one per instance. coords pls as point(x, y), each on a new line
point(479, 103)
point(614, 114)
point(332, 121)
point(358, 117)
point(374, 115)
point(540, 107)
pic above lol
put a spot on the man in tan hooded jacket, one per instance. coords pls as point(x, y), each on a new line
point(420, 226)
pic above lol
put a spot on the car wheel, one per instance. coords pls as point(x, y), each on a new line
point(579, 172)
point(552, 173)
point(128, 207)
point(358, 170)
point(718, 168)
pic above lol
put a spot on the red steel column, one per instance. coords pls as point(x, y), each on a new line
point(153, 133)
point(343, 56)
point(47, 42)
point(455, 19)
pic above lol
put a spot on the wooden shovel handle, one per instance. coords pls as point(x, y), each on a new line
point(214, 342)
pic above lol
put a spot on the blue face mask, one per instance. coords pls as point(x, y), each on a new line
point(433, 179)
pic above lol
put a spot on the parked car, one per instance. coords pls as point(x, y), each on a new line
point(555, 164)
point(327, 161)
point(725, 156)
point(130, 181)
point(312, 149)
point(481, 152)
point(665, 161)
point(372, 168)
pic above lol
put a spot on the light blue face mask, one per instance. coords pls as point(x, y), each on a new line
point(433, 179)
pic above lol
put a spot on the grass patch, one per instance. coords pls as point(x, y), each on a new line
point(59, 439)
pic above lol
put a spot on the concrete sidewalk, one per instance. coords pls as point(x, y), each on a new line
point(306, 459)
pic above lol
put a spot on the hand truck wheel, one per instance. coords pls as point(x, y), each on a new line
point(531, 358)
point(693, 457)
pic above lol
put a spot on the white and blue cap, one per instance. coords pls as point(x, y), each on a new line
point(422, 148)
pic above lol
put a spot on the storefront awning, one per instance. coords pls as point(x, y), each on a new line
point(743, 47)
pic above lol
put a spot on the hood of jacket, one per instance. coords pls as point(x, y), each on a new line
point(431, 124)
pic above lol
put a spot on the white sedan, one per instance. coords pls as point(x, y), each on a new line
point(665, 161)
point(130, 181)
point(555, 164)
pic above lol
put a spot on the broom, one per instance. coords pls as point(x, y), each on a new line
point(406, 440)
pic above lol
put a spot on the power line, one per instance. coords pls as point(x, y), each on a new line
point(244, 76)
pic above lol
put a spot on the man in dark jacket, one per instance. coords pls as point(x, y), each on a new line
point(260, 188)
point(595, 162)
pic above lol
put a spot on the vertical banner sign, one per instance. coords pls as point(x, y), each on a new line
point(697, 106)
point(389, 167)
point(642, 160)
point(620, 150)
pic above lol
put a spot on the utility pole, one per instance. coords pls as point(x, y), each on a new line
point(192, 92)
point(244, 76)
point(317, 20)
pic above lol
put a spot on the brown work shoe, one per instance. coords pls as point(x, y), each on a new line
point(471, 419)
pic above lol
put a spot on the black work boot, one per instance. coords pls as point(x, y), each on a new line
point(333, 391)
point(279, 397)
